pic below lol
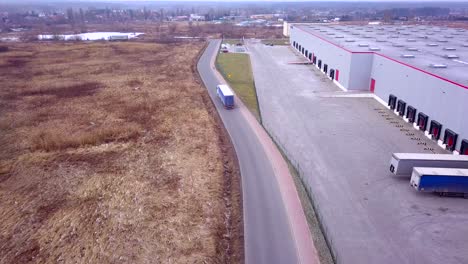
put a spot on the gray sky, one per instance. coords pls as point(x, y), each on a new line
point(230, 1)
point(407, 1)
point(401, 1)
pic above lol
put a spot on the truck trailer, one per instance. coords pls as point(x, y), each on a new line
point(440, 180)
point(226, 95)
point(403, 163)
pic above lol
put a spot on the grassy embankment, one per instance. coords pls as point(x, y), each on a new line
point(110, 154)
point(237, 70)
point(232, 41)
point(276, 42)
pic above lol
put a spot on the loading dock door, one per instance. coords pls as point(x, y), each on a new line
point(372, 85)
point(332, 74)
point(411, 114)
point(422, 121)
point(435, 129)
point(401, 107)
point(337, 75)
point(325, 68)
point(392, 101)
point(464, 147)
point(450, 139)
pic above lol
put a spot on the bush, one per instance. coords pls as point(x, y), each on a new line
point(60, 138)
point(3, 48)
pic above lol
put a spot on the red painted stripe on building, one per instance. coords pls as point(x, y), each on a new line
point(384, 56)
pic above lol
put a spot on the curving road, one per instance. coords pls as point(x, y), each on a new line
point(275, 228)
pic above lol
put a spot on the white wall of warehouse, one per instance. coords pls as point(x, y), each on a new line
point(442, 101)
point(361, 67)
point(445, 102)
point(334, 57)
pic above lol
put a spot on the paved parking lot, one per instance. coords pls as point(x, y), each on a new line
point(342, 145)
point(232, 48)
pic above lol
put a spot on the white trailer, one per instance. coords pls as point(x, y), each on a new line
point(226, 95)
point(403, 163)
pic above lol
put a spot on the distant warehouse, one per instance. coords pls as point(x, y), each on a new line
point(420, 71)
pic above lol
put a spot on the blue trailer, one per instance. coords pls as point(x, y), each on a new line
point(444, 181)
point(226, 95)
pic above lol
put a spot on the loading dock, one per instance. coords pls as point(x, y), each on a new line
point(435, 83)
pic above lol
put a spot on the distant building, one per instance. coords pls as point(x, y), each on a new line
point(233, 18)
point(195, 17)
point(262, 16)
point(267, 16)
point(180, 18)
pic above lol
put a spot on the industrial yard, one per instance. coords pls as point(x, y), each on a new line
point(264, 132)
point(341, 142)
point(112, 153)
point(422, 67)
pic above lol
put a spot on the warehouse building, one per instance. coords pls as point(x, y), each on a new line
point(419, 71)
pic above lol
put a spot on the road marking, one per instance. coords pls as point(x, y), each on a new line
point(459, 61)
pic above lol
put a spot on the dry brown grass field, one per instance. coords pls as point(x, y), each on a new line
point(113, 153)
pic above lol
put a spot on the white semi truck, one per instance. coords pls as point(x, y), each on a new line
point(403, 163)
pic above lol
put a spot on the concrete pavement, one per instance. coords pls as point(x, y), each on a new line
point(342, 146)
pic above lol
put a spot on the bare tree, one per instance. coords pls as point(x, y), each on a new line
point(29, 36)
point(158, 30)
point(162, 14)
point(171, 28)
point(70, 16)
point(82, 17)
point(145, 13)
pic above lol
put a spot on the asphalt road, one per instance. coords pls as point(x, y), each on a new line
point(268, 230)
point(342, 143)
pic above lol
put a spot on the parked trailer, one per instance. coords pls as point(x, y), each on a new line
point(226, 95)
point(440, 180)
point(403, 163)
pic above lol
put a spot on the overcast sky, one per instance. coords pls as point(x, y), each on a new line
point(407, 1)
point(291, 0)
point(443, 1)
point(230, 1)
